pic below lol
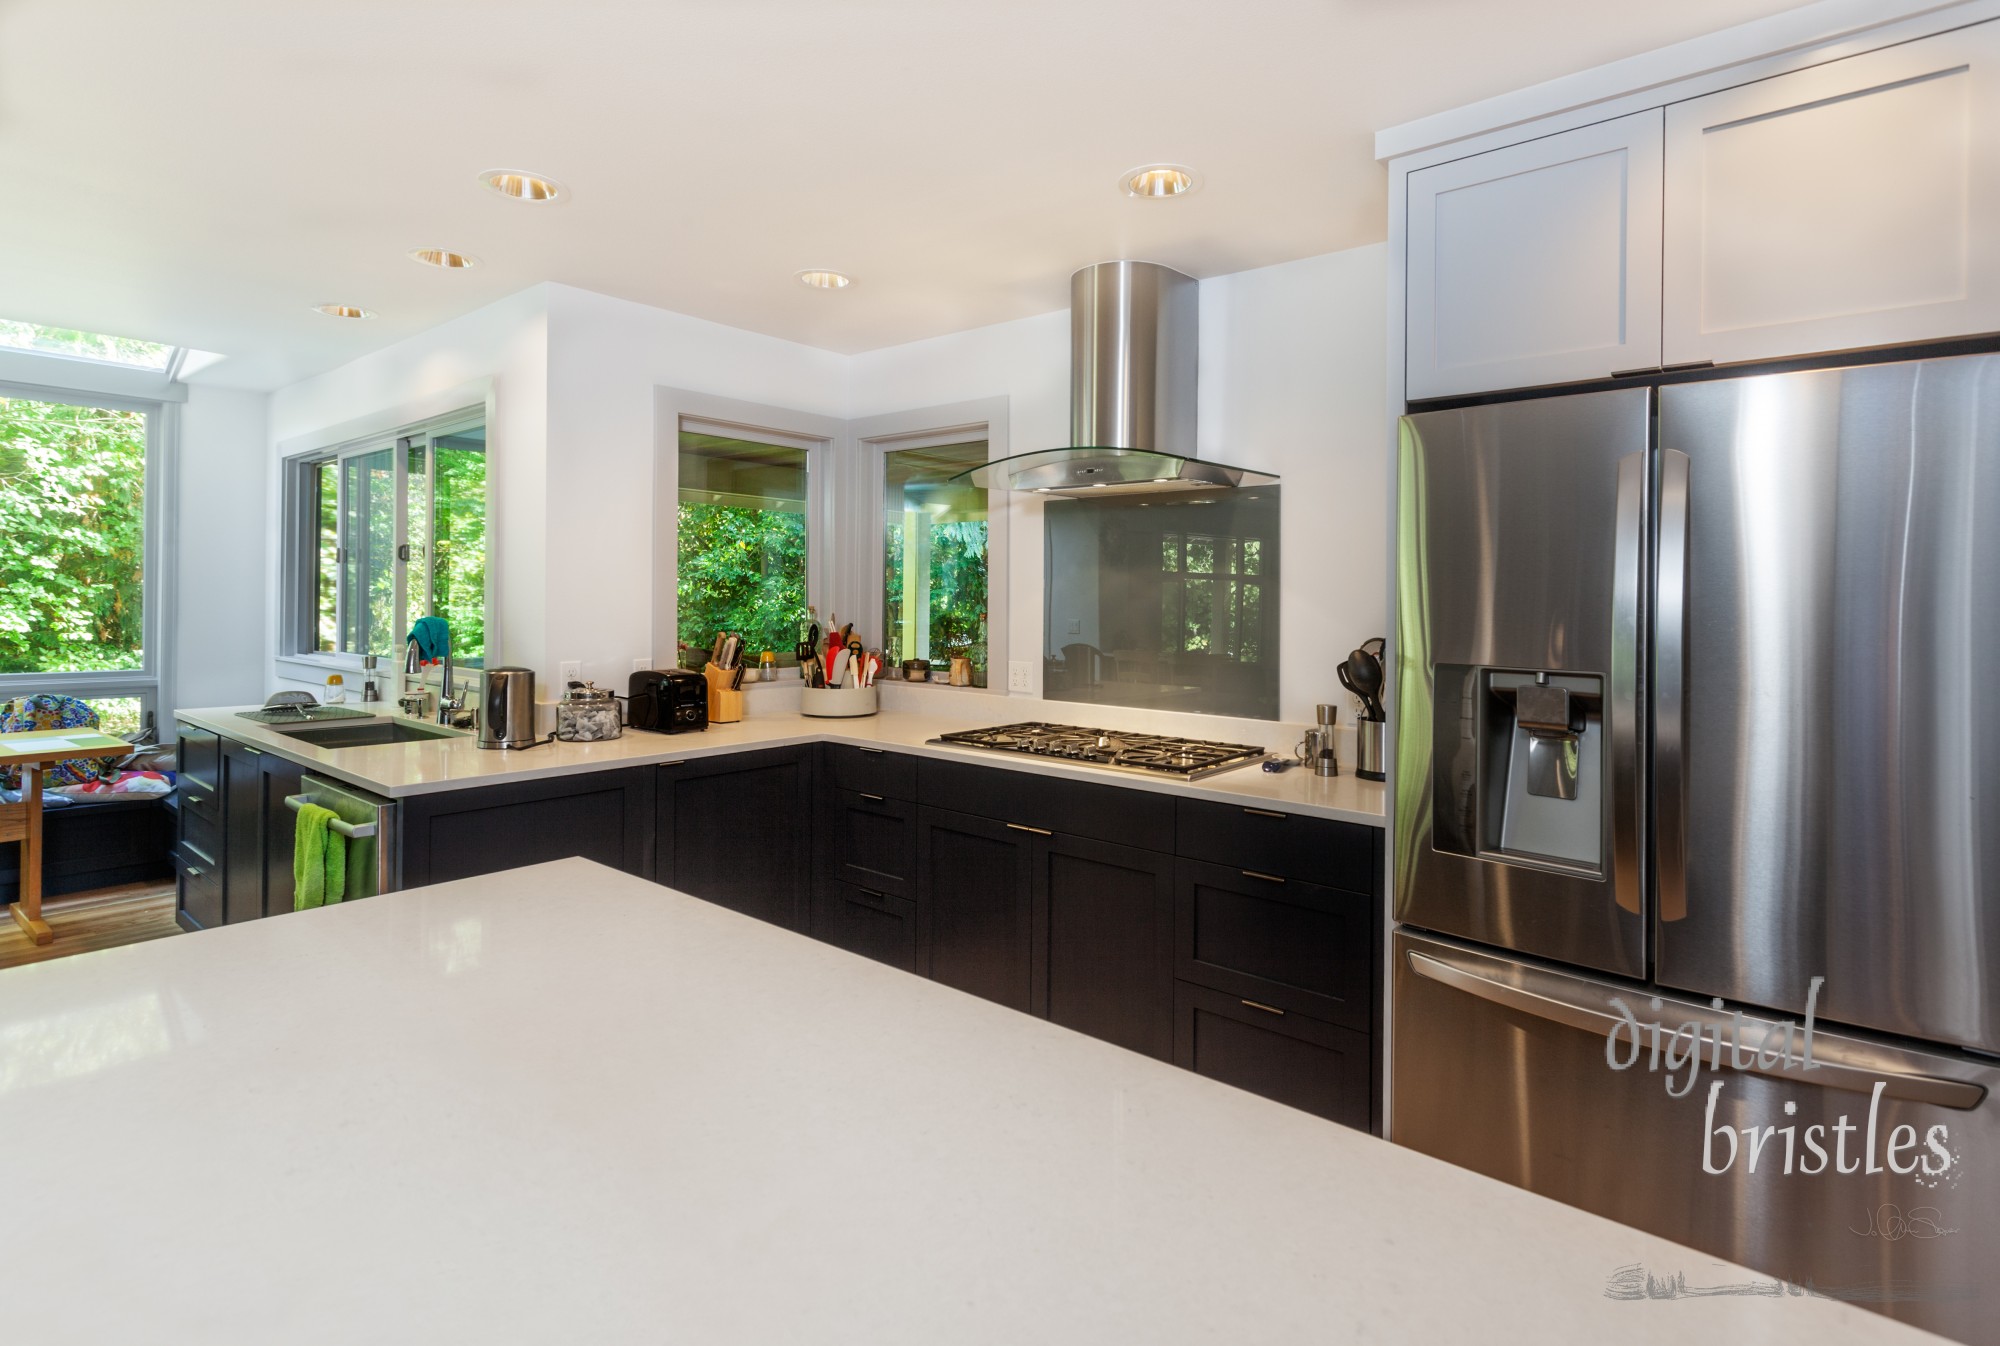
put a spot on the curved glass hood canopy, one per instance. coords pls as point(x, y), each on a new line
point(1132, 366)
point(1107, 471)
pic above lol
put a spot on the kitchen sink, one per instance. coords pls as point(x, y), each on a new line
point(366, 733)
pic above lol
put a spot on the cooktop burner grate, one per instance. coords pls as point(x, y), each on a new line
point(1151, 754)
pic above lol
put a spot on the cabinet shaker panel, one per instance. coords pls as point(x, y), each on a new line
point(1538, 263)
point(1847, 205)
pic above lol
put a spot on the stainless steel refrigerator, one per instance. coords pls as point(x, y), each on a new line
point(1698, 701)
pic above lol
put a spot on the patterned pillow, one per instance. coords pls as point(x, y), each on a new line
point(52, 712)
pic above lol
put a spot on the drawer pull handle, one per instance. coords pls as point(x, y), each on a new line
point(195, 871)
point(1268, 1009)
point(1264, 813)
point(873, 752)
point(191, 786)
point(1268, 878)
point(873, 799)
point(1038, 831)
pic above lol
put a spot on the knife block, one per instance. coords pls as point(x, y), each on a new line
point(724, 706)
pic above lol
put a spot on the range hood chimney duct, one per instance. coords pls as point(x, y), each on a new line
point(1133, 367)
point(1132, 358)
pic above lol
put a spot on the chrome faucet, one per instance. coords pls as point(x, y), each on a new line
point(448, 704)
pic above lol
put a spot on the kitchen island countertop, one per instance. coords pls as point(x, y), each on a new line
point(564, 1104)
point(399, 770)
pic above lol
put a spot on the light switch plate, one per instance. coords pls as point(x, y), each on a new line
point(569, 670)
point(1020, 675)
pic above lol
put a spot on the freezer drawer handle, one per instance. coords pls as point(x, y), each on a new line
point(1838, 1066)
point(352, 831)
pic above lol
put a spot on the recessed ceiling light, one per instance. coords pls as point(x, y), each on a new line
point(1160, 182)
point(523, 186)
point(343, 311)
point(825, 280)
point(443, 259)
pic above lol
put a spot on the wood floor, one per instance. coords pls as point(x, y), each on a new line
point(104, 919)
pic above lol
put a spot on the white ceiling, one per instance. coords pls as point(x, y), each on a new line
point(202, 172)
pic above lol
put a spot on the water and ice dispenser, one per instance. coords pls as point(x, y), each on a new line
point(1519, 763)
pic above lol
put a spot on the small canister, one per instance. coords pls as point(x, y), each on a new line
point(588, 714)
point(1370, 762)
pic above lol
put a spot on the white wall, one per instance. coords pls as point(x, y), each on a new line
point(1292, 371)
point(218, 640)
point(606, 357)
point(1292, 368)
point(501, 351)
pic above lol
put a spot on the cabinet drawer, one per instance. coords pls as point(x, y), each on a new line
point(200, 885)
point(1295, 946)
point(1309, 1065)
point(201, 832)
point(871, 840)
point(1138, 818)
point(867, 921)
point(1289, 845)
point(874, 771)
point(198, 757)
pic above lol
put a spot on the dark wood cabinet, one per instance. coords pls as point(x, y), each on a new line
point(975, 903)
point(242, 791)
point(1317, 1067)
point(1340, 855)
point(867, 840)
point(1103, 917)
point(866, 921)
point(1302, 947)
point(606, 816)
point(737, 831)
point(251, 837)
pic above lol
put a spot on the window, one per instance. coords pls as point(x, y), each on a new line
point(394, 529)
point(85, 345)
point(934, 601)
point(742, 549)
point(75, 609)
point(1166, 601)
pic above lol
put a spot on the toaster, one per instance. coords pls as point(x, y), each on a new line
point(667, 701)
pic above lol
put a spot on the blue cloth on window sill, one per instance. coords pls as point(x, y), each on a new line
point(433, 639)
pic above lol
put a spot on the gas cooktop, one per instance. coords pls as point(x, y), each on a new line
point(1151, 754)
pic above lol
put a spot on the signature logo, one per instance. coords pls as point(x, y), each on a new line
point(1893, 1224)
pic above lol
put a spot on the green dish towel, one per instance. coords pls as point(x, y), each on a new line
point(319, 860)
point(433, 639)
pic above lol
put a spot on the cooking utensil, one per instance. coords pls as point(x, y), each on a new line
point(1362, 675)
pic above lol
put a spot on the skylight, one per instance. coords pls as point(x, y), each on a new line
point(113, 350)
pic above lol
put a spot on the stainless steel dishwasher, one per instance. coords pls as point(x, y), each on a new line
point(368, 822)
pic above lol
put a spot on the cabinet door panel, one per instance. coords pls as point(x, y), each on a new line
point(1538, 263)
point(1852, 204)
point(1312, 1066)
point(737, 831)
point(1106, 925)
point(975, 896)
point(1295, 946)
point(281, 779)
point(242, 790)
point(867, 921)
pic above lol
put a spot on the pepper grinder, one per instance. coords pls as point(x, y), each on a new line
point(1328, 762)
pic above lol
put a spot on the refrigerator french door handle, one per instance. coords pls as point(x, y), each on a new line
point(1838, 1063)
point(1670, 690)
point(1627, 799)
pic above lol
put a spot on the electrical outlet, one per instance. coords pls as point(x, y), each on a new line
point(1076, 626)
point(641, 665)
point(1020, 675)
point(568, 671)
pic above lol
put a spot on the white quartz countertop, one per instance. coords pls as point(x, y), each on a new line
point(564, 1105)
point(398, 770)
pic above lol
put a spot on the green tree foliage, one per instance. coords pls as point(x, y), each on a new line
point(458, 551)
point(72, 537)
point(957, 591)
point(742, 570)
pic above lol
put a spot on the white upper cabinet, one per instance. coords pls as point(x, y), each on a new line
point(1538, 263)
point(1850, 204)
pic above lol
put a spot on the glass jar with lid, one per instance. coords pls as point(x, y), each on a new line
point(588, 714)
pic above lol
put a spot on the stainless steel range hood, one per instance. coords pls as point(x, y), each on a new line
point(1132, 379)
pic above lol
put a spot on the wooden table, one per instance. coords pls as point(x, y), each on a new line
point(34, 751)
